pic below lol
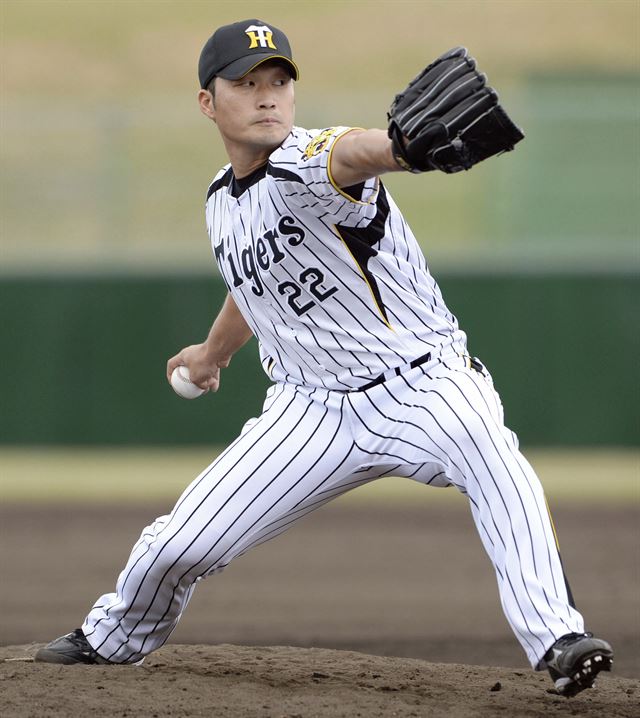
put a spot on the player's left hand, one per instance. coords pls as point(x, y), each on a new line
point(448, 118)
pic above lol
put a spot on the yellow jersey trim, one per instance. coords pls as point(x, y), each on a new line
point(553, 527)
point(333, 182)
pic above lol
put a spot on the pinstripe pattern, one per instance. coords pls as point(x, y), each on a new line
point(338, 292)
point(375, 309)
point(438, 424)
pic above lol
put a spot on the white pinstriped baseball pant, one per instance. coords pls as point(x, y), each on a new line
point(439, 423)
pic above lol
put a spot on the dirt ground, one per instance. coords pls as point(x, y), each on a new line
point(405, 593)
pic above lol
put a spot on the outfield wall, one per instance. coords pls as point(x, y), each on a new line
point(84, 357)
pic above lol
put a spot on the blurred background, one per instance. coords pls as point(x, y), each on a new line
point(106, 266)
point(106, 272)
point(106, 157)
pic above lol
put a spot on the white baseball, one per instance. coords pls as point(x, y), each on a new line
point(182, 384)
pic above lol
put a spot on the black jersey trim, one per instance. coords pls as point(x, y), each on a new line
point(360, 242)
point(281, 173)
point(223, 181)
point(240, 186)
point(355, 191)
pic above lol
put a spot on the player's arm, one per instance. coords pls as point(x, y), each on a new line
point(228, 333)
point(359, 155)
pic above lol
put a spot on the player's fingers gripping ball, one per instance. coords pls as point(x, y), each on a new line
point(182, 384)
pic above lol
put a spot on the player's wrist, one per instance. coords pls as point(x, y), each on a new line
point(398, 153)
point(214, 352)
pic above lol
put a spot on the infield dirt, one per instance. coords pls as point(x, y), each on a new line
point(408, 583)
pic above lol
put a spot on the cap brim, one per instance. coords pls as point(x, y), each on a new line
point(244, 65)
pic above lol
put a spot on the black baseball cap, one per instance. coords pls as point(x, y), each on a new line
point(234, 50)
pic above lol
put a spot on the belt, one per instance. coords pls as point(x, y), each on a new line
point(395, 372)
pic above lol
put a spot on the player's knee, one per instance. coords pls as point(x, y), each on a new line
point(177, 552)
point(206, 557)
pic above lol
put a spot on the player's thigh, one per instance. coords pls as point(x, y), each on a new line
point(443, 418)
point(482, 456)
point(459, 411)
point(280, 464)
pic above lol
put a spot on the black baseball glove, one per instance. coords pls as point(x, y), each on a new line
point(448, 118)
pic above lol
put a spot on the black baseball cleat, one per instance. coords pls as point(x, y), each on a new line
point(69, 649)
point(575, 660)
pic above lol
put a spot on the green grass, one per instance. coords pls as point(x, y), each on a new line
point(141, 475)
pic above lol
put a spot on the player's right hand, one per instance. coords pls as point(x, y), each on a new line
point(204, 368)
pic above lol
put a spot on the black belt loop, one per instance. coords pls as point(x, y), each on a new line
point(375, 382)
point(420, 360)
point(398, 370)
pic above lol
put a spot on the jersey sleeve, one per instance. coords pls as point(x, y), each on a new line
point(313, 187)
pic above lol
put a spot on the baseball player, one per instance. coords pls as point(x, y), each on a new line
point(371, 372)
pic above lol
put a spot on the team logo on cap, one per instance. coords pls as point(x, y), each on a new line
point(260, 36)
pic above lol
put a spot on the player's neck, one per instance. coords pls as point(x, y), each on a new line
point(246, 160)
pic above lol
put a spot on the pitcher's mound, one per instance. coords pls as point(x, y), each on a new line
point(283, 682)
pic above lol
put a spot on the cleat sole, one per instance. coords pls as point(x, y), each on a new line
point(586, 677)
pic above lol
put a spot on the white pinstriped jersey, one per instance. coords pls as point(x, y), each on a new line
point(332, 282)
point(337, 291)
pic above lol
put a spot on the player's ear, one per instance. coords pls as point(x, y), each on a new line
point(207, 104)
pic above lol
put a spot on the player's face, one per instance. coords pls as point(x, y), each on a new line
point(253, 113)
